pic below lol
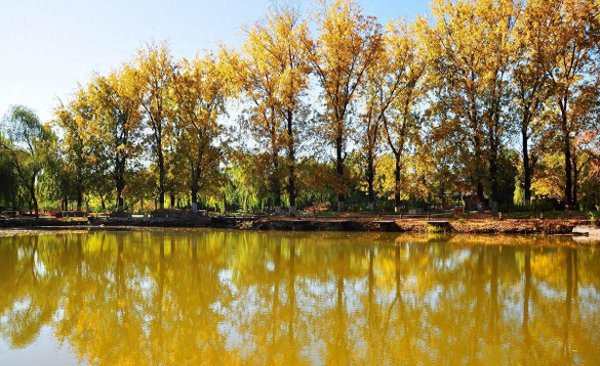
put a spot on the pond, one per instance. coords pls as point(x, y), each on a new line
point(188, 297)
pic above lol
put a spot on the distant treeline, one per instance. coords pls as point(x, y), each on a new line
point(492, 102)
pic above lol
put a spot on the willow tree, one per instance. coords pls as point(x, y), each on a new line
point(26, 144)
point(348, 44)
point(116, 100)
point(156, 73)
point(393, 92)
point(200, 95)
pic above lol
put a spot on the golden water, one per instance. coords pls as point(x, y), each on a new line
point(191, 297)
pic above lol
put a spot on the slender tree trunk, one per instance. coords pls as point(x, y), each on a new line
point(33, 197)
point(340, 172)
point(370, 180)
point(292, 188)
point(291, 162)
point(397, 173)
point(493, 161)
point(575, 180)
point(120, 185)
point(275, 183)
point(172, 197)
point(195, 179)
point(35, 207)
point(161, 179)
point(568, 174)
point(478, 172)
point(526, 166)
point(79, 198)
point(567, 155)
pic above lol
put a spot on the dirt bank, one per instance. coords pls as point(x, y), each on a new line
point(480, 225)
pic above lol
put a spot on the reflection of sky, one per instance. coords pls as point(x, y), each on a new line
point(45, 350)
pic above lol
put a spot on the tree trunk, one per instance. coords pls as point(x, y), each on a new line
point(340, 172)
point(120, 202)
point(172, 197)
point(161, 179)
point(120, 185)
point(291, 163)
point(526, 166)
point(493, 161)
point(397, 172)
point(370, 178)
point(79, 198)
point(567, 154)
point(275, 183)
point(478, 174)
point(33, 197)
point(292, 188)
point(575, 180)
point(568, 174)
point(194, 199)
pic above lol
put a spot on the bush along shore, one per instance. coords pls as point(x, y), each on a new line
point(476, 224)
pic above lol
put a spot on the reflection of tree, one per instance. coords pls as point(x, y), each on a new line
point(24, 309)
point(192, 297)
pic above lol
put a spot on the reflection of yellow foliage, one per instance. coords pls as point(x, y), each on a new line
point(544, 266)
point(232, 297)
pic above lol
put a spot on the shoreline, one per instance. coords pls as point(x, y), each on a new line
point(549, 226)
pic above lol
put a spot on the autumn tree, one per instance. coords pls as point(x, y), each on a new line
point(272, 74)
point(470, 48)
point(117, 110)
point(348, 43)
point(570, 54)
point(387, 79)
point(199, 96)
point(76, 123)
point(26, 145)
point(280, 40)
point(530, 85)
point(405, 68)
point(260, 115)
point(156, 74)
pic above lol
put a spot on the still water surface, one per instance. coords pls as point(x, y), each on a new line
point(191, 297)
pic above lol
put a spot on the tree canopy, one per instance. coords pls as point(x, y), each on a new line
point(487, 104)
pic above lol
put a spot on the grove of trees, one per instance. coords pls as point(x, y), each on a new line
point(492, 102)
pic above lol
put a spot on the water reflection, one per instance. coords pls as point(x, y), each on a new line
point(218, 297)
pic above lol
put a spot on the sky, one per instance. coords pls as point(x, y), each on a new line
point(48, 47)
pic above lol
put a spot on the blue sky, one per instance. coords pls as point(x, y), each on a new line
point(47, 47)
